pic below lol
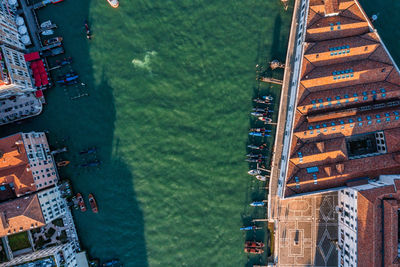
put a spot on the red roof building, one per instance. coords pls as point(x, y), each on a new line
point(347, 118)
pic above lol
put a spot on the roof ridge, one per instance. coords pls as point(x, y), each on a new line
point(320, 17)
point(347, 9)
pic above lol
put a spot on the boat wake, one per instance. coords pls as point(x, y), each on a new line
point(144, 64)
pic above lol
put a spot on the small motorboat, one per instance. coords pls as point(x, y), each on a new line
point(53, 40)
point(254, 172)
point(47, 32)
point(260, 156)
point(265, 119)
point(253, 250)
point(261, 130)
point(112, 263)
point(257, 204)
point(62, 163)
point(249, 228)
point(252, 160)
point(91, 163)
point(268, 98)
point(261, 101)
point(253, 244)
point(262, 110)
point(88, 151)
point(259, 134)
point(65, 61)
point(46, 24)
point(113, 3)
point(52, 52)
point(81, 202)
point(88, 32)
point(93, 204)
point(257, 114)
point(261, 178)
point(263, 146)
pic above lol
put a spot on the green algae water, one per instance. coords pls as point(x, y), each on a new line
point(170, 86)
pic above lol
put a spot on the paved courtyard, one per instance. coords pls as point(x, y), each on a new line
point(307, 231)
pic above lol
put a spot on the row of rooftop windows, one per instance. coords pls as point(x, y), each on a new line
point(352, 124)
point(359, 119)
point(339, 48)
point(347, 96)
point(340, 52)
point(342, 72)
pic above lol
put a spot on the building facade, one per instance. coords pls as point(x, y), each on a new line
point(8, 28)
point(52, 204)
point(41, 162)
point(15, 76)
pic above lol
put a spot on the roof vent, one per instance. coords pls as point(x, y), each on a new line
point(19, 142)
point(340, 168)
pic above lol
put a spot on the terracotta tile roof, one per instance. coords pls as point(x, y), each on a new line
point(14, 165)
point(341, 96)
point(373, 205)
point(20, 214)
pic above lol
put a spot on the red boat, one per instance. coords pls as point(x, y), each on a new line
point(253, 250)
point(93, 204)
point(81, 203)
point(252, 244)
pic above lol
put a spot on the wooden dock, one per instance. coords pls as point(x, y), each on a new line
point(271, 80)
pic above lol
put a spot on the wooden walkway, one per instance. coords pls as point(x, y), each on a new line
point(33, 25)
point(271, 80)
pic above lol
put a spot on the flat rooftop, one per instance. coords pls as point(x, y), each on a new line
point(306, 231)
point(347, 116)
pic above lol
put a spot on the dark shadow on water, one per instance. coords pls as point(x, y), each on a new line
point(117, 231)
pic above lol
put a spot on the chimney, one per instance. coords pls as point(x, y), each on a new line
point(340, 168)
point(321, 146)
point(331, 7)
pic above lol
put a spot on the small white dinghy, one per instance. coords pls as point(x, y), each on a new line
point(48, 32)
point(254, 172)
point(45, 24)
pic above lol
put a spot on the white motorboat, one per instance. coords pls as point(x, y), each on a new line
point(48, 32)
point(113, 3)
point(45, 24)
point(254, 172)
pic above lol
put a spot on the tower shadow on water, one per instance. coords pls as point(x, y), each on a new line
point(117, 231)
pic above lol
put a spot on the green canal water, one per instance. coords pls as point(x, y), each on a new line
point(170, 86)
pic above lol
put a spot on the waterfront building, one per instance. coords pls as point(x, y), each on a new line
point(26, 165)
point(15, 76)
point(17, 94)
point(340, 138)
point(53, 206)
point(61, 255)
point(368, 228)
point(347, 113)
point(8, 28)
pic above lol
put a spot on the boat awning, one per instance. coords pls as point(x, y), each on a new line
point(32, 56)
point(39, 73)
point(39, 93)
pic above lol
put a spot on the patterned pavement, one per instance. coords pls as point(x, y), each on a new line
point(307, 230)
